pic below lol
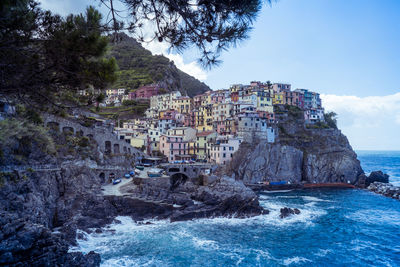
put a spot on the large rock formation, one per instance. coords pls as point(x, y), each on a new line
point(309, 155)
point(377, 176)
point(223, 197)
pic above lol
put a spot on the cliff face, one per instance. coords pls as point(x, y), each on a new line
point(300, 155)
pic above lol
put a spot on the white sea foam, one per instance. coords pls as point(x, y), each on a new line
point(323, 252)
point(131, 261)
point(262, 255)
point(310, 198)
point(287, 196)
point(205, 244)
point(114, 232)
point(295, 260)
point(264, 197)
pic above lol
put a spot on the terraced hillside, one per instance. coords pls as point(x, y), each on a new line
point(137, 66)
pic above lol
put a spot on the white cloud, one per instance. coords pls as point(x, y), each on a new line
point(191, 68)
point(372, 108)
point(371, 122)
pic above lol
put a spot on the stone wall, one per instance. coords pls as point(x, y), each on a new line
point(105, 138)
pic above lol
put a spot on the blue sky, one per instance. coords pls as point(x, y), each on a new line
point(348, 50)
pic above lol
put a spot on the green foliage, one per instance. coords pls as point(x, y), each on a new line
point(83, 142)
point(129, 109)
point(20, 134)
point(331, 119)
point(129, 102)
point(318, 125)
point(100, 98)
point(294, 112)
point(46, 57)
point(29, 114)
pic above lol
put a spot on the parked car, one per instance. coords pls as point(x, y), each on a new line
point(116, 181)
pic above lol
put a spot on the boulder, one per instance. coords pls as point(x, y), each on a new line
point(377, 176)
point(286, 212)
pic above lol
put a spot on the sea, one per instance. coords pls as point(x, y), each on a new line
point(336, 227)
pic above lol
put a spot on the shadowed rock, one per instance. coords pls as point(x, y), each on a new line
point(286, 212)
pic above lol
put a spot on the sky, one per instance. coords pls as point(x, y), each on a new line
point(347, 50)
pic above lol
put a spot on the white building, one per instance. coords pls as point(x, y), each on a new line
point(221, 152)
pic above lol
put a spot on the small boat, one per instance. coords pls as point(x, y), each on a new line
point(278, 183)
point(154, 173)
point(127, 175)
point(132, 173)
point(116, 181)
point(139, 167)
point(137, 172)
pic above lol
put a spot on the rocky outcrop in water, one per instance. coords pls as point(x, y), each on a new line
point(385, 189)
point(377, 176)
point(286, 212)
point(223, 197)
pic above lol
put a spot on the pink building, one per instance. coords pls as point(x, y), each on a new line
point(174, 147)
point(175, 144)
point(218, 97)
point(266, 115)
point(294, 98)
point(145, 91)
point(190, 119)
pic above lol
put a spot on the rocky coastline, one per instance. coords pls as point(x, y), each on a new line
point(41, 211)
point(385, 189)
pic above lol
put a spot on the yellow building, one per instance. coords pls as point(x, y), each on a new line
point(265, 101)
point(139, 141)
point(201, 144)
point(221, 111)
point(235, 88)
point(207, 119)
point(199, 121)
point(182, 104)
point(278, 98)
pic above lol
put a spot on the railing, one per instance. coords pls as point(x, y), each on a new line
point(33, 167)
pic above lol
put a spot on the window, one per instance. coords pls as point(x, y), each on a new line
point(224, 156)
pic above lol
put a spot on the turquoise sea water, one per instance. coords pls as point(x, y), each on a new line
point(335, 228)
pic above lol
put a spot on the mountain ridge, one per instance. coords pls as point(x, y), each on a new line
point(137, 67)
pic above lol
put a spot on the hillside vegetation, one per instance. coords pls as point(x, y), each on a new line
point(137, 66)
